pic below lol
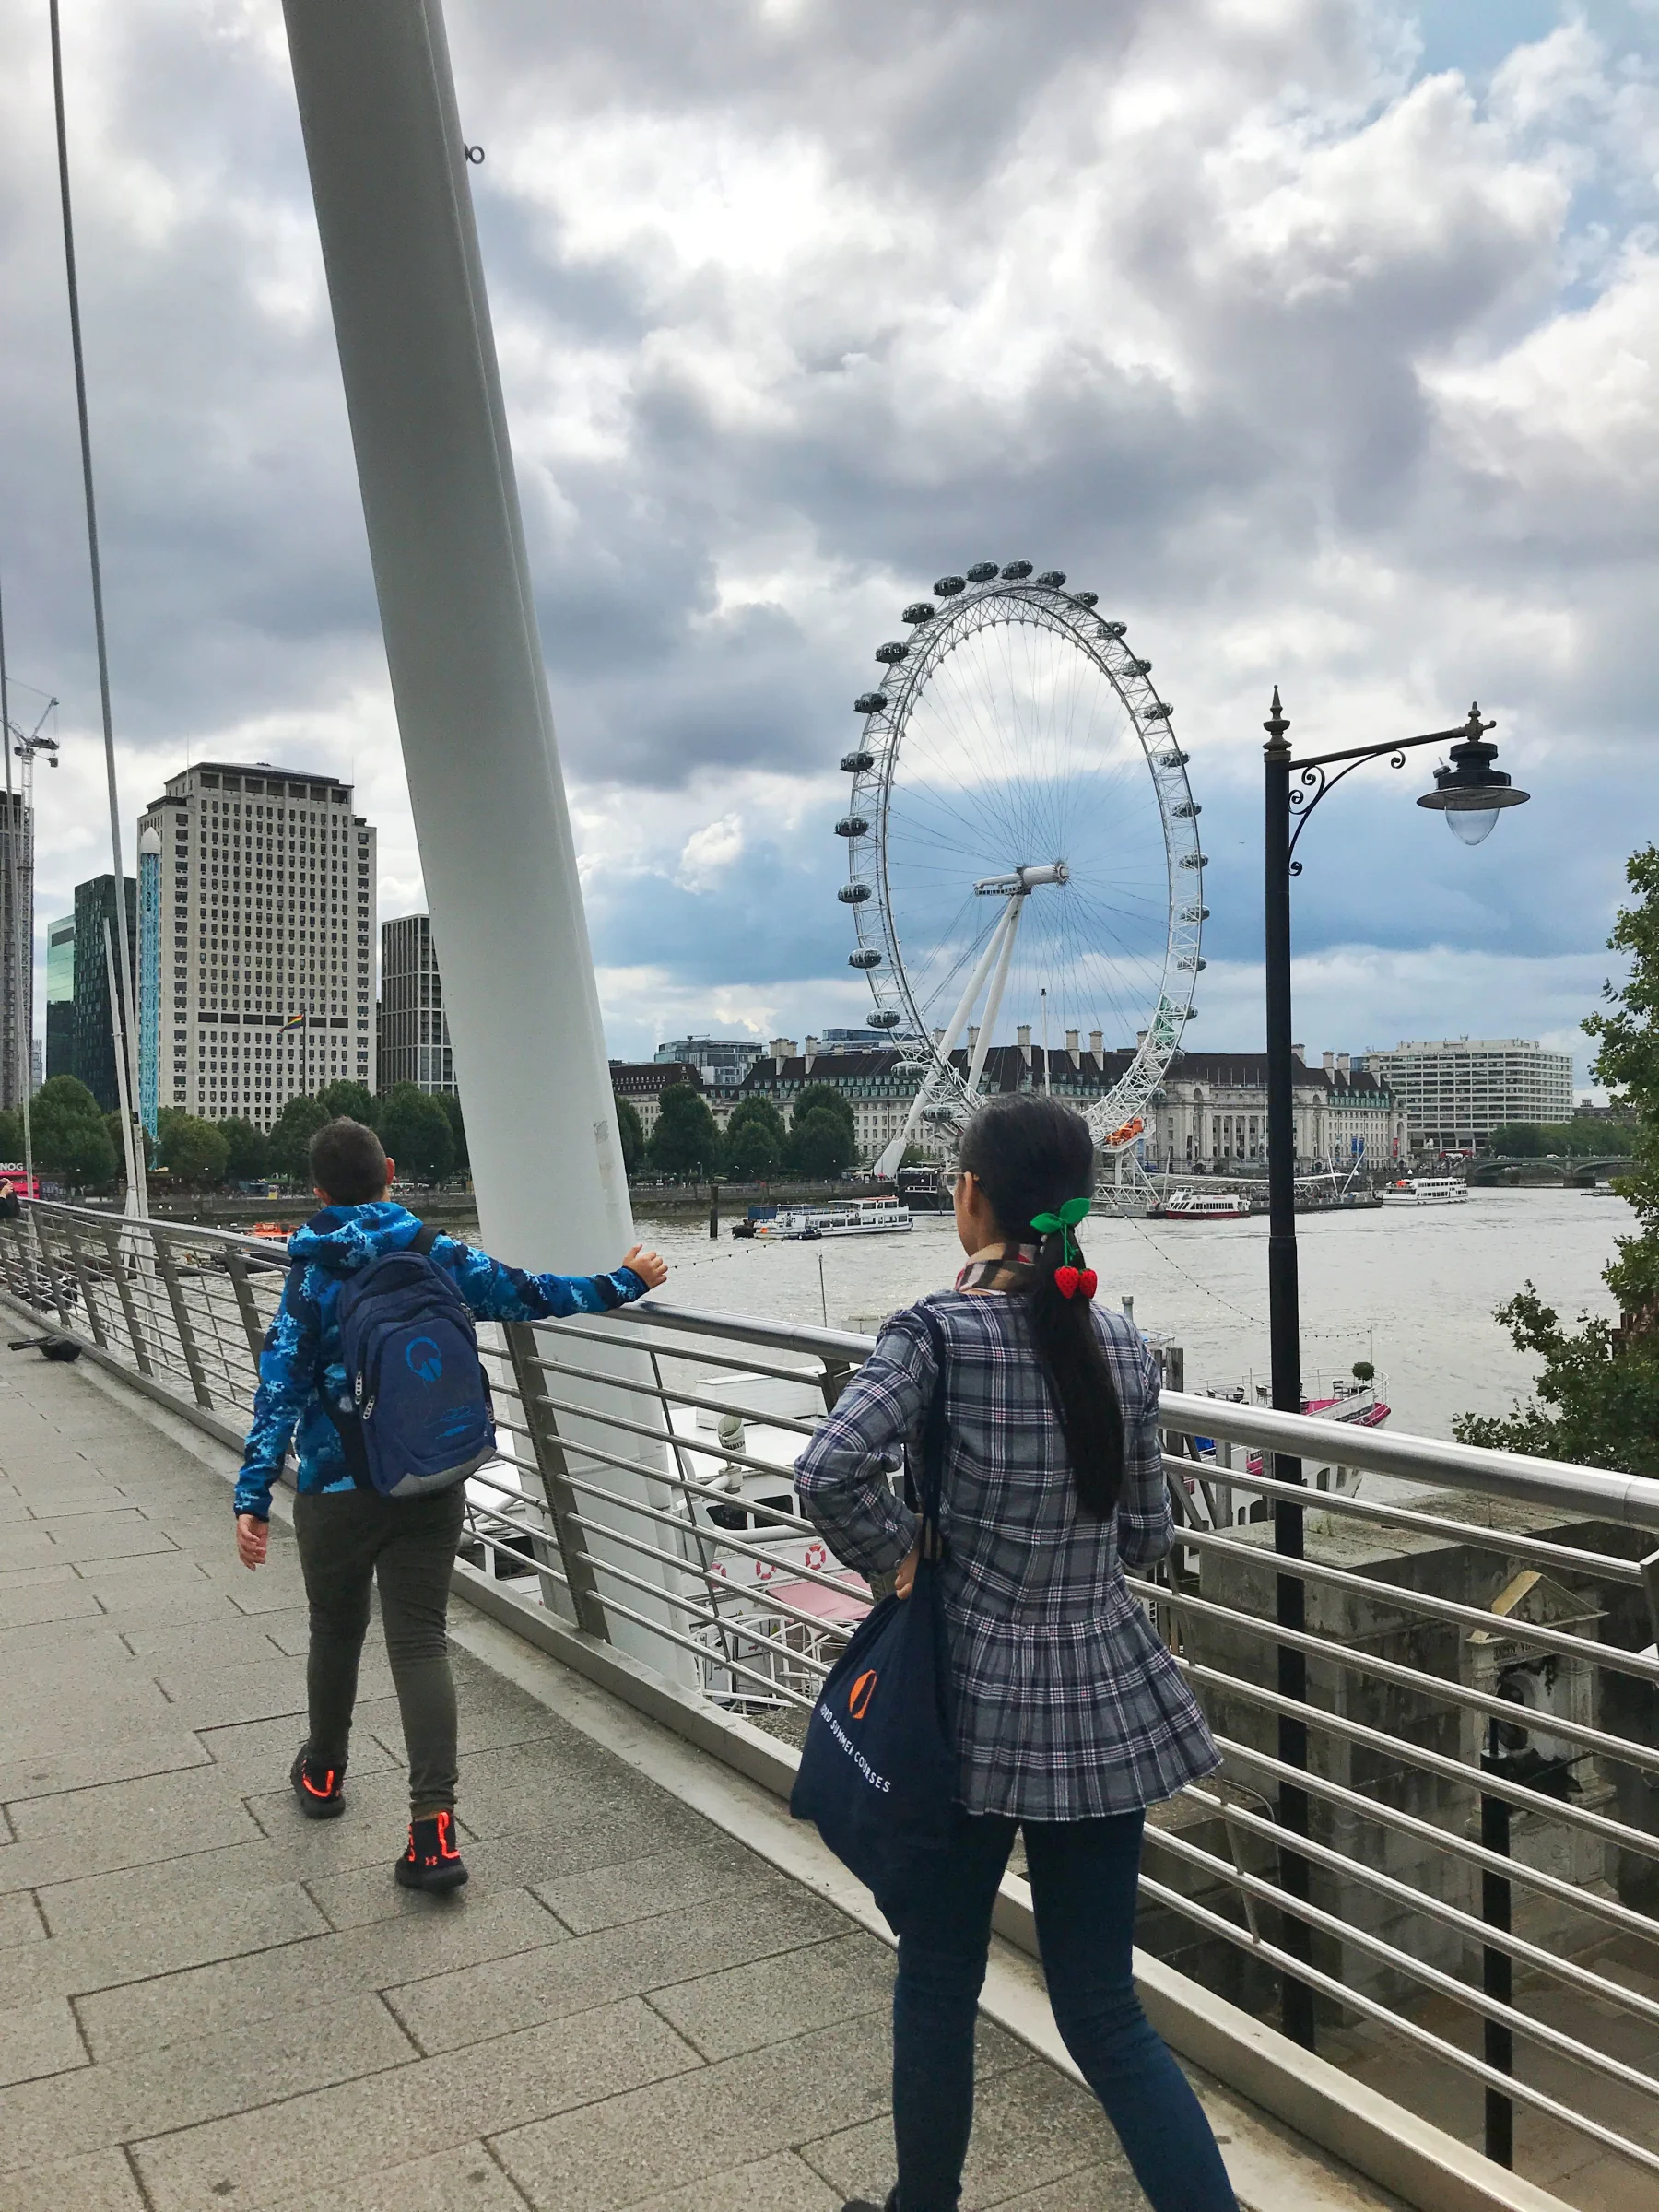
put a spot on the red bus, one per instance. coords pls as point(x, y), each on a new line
point(20, 1180)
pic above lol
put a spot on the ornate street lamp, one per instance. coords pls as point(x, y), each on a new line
point(1471, 793)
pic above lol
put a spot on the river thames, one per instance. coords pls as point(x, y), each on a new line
point(1412, 1288)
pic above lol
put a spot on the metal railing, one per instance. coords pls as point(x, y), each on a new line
point(1459, 1856)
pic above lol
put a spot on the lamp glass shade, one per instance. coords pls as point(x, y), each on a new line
point(1470, 825)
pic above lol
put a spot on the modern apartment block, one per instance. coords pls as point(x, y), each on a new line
point(94, 1023)
point(721, 1063)
point(263, 983)
point(60, 996)
point(16, 948)
point(414, 1028)
point(1457, 1092)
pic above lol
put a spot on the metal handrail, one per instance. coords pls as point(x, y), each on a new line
point(182, 1309)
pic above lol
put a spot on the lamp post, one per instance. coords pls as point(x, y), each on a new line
point(1471, 793)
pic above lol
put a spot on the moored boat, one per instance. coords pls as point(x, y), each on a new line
point(1200, 1206)
point(863, 1217)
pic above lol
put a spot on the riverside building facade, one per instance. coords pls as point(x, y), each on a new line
point(1210, 1115)
point(413, 1029)
point(1456, 1093)
point(265, 932)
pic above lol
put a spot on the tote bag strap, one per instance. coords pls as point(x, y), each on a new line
point(933, 1441)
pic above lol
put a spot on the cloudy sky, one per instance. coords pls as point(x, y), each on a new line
point(1318, 337)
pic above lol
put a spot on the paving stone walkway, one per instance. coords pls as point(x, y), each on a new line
point(206, 2000)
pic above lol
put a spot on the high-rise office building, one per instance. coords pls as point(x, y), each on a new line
point(150, 978)
point(1456, 1093)
point(17, 948)
point(94, 1025)
point(264, 939)
point(60, 996)
point(414, 1028)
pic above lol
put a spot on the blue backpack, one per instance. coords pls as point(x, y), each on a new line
point(421, 1418)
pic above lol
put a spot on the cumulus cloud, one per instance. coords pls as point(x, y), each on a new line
point(1321, 347)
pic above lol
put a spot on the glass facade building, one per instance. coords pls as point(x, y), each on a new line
point(94, 1023)
point(414, 1030)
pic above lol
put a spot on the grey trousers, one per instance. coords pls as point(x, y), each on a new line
point(347, 1539)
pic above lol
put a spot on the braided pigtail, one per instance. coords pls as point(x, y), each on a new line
point(1034, 1159)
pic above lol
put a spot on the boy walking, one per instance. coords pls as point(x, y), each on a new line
point(351, 1532)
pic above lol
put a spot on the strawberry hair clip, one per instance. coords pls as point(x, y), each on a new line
point(1070, 1279)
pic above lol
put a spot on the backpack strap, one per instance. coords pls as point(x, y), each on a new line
point(422, 1242)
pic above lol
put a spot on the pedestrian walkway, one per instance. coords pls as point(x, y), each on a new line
point(206, 2000)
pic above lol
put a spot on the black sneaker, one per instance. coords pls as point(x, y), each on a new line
point(317, 1787)
point(431, 1862)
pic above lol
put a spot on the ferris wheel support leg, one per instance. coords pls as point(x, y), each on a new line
point(888, 1162)
point(1010, 929)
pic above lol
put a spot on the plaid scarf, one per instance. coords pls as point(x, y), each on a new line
point(1005, 1270)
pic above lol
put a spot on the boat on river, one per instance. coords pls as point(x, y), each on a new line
point(863, 1217)
point(1356, 1403)
point(1187, 1205)
point(1427, 1190)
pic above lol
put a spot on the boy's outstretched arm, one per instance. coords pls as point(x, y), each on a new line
point(497, 1292)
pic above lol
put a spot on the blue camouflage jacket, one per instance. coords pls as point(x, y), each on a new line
point(300, 1359)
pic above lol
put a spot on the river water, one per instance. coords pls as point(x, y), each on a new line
point(1411, 1289)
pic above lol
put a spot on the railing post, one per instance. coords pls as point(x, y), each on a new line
point(175, 1298)
point(557, 1494)
point(123, 1290)
point(1497, 1975)
point(94, 1318)
point(236, 1267)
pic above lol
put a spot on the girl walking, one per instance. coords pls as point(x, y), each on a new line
point(1069, 1715)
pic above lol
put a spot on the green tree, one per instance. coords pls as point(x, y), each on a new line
point(70, 1140)
point(347, 1102)
point(416, 1132)
point(755, 1139)
point(631, 1134)
point(11, 1135)
point(685, 1141)
point(1518, 1140)
point(290, 1138)
point(823, 1097)
point(194, 1151)
point(249, 1149)
point(820, 1143)
point(451, 1104)
point(753, 1151)
point(1598, 1399)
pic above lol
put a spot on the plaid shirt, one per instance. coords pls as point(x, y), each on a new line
point(1067, 1705)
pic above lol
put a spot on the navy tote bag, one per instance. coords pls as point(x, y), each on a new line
point(878, 1767)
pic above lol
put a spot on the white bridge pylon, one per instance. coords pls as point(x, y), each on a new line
point(1014, 889)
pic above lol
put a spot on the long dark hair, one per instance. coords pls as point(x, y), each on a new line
point(1029, 1154)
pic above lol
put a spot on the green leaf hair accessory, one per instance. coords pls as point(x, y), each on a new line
point(1061, 1224)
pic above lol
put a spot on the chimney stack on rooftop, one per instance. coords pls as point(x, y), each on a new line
point(1342, 1064)
point(1024, 1035)
point(1075, 1056)
point(1097, 1045)
point(1330, 1062)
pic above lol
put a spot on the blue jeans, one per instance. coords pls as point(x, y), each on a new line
point(1084, 1878)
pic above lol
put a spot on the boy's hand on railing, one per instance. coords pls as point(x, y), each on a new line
point(253, 1540)
point(651, 1269)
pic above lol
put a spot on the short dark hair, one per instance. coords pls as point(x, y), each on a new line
point(348, 1162)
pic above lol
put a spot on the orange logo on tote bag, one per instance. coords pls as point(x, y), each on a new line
point(862, 1691)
